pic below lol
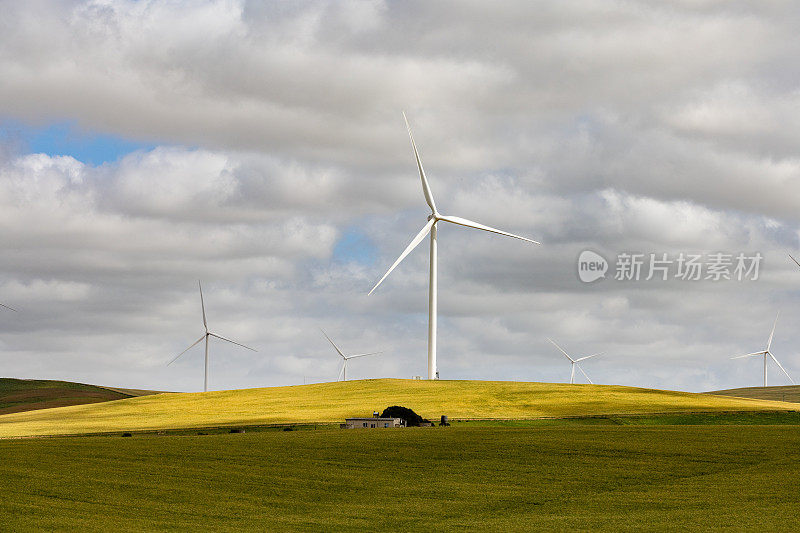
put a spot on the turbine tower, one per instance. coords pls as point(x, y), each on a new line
point(205, 337)
point(768, 354)
point(345, 358)
point(431, 227)
point(574, 363)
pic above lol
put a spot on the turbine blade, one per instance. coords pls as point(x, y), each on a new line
point(361, 355)
point(198, 341)
point(588, 356)
point(754, 354)
point(333, 343)
point(421, 235)
point(560, 348)
point(781, 367)
point(470, 224)
point(584, 374)
point(8, 307)
point(202, 305)
point(426, 189)
point(795, 260)
point(220, 337)
point(769, 342)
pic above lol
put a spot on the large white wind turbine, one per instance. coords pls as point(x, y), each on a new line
point(345, 358)
point(205, 337)
point(574, 363)
point(768, 354)
point(431, 227)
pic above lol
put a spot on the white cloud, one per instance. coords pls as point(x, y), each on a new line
point(613, 126)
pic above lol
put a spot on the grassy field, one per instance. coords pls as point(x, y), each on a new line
point(332, 402)
point(759, 418)
point(569, 477)
point(18, 395)
point(786, 393)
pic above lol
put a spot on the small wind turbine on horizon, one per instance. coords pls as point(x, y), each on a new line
point(767, 354)
point(431, 227)
point(574, 363)
point(345, 358)
point(205, 336)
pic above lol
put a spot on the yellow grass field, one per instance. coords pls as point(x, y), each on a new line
point(333, 402)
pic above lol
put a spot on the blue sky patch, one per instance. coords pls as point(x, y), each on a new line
point(66, 138)
point(355, 246)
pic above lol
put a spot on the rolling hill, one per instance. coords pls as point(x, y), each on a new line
point(18, 395)
point(786, 393)
point(332, 402)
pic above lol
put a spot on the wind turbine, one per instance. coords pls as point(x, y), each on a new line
point(205, 337)
point(431, 227)
point(574, 363)
point(345, 358)
point(767, 354)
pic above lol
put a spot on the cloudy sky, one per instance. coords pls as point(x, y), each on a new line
point(260, 147)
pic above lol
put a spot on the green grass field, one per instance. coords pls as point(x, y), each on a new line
point(519, 457)
point(332, 402)
point(786, 393)
point(18, 395)
point(564, 477)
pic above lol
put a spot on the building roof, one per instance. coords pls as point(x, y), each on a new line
point(372, 418)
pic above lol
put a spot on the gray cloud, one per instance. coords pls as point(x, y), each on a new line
point(614, 126)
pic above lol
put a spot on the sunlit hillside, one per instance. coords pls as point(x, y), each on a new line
point(332, 402)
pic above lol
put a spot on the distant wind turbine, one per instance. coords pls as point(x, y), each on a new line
point(574, 363)
point(205, 336)
point(431, 227)
point(768, 354)
point(345, 358)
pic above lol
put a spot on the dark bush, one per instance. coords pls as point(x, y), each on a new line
point(127, 435)
point(396, 411)
point(237, 430)
point(288, 428)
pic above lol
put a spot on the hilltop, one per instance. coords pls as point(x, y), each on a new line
point(332, 402)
